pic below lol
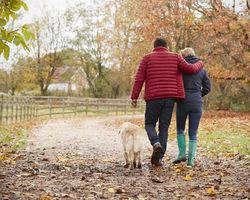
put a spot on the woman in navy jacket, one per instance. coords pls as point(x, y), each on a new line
point(196, 86)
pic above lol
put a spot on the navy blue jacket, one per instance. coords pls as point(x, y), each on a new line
point(196, 85)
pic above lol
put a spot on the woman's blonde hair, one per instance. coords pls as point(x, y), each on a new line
point(187, 52)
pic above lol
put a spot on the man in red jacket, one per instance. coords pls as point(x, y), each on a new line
point(161, 70)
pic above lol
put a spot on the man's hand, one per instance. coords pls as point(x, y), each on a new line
point(134, 103)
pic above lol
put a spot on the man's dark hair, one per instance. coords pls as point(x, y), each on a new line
point(160, 42)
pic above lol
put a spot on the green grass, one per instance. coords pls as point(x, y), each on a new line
point(225, 141)
point(12, 138)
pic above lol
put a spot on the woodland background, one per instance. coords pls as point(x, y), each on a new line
point(108, 40)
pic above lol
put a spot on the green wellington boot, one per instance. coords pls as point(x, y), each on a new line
point(191, 152)
point(181, 140)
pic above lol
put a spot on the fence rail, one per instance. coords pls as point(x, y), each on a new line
point(17, 109)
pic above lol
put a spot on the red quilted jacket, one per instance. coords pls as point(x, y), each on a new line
point(161, 71)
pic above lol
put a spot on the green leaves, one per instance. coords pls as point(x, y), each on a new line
point(17, 5)
point(5, 49)
point(3, 22)
point(18, 37)
point(26, 33)
point(24, 5)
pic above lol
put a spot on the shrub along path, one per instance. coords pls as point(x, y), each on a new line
point(82, 158)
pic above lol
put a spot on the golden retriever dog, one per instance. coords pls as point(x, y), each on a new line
point(132, 140)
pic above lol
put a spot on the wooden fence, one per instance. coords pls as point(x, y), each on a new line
point(17, 109)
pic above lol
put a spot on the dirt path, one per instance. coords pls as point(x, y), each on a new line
point(81, 158)
point(86, 137)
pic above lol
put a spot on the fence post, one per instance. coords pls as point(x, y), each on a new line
point(1, 110)
point(34, 108)
point(75, 109)
point(87, 106)
point(16, 103)
point(97, 106)
point(12, 109)
point(24, 109)
point(63, 107)
point(125, 107)
point(7, 109)
point(50, 108)
point(29, 108)
point(36, 111)
point(21, 109)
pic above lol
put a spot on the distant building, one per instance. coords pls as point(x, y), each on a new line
point(69, 79)
point(62, 87)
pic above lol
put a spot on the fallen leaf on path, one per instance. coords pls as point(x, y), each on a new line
point(111, 190)
point(3, 157)
point(46, 197)
point(178, 168)
point(61, 158)
point(187, 178)
point(211, 191)
point(204, 174)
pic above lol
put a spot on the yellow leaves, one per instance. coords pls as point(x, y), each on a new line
point(187, 178)
point(179, 168)
point(61, 158)
point(204, 174)
point(111, 190)
point(211, 191)
point(46, 197)
point(230, 155)
point(116, 190)
point(3, 157)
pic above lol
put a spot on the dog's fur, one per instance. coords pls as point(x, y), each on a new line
point(132, 140)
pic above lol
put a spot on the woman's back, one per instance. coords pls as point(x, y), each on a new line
point(196, 85)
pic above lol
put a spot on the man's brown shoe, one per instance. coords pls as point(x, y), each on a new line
point(156, 154)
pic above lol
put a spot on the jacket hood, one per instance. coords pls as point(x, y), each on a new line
point(191, 59)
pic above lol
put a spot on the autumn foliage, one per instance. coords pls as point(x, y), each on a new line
point(108, 40)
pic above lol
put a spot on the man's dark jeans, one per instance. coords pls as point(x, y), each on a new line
point(194, 111)
point(159, 109)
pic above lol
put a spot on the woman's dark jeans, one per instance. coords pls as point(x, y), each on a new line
point(159, 109)
point(194, 111)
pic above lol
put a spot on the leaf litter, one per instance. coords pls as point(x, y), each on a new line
point(97, 171)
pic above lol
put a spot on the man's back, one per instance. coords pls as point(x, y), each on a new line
point(161, 74)
point(160, 70)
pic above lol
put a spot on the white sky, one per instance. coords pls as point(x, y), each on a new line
point(38, 7)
